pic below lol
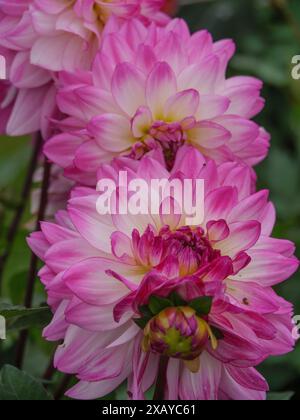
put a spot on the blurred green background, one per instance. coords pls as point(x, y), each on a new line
point(267, 34)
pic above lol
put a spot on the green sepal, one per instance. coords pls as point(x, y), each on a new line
point(202, 305)
point(145, 312)
point(141, 322)
point(158, 304)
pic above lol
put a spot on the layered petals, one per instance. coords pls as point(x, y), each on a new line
point(129, 291)
point(156, 88)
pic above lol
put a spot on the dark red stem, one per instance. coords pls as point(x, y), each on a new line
point(21, 346)
point(161, 383)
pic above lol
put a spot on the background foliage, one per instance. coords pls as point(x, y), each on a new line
point(267, 33)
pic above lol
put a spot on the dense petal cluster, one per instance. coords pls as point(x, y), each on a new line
point(69, 32)
point(126, 290)
point(41, 37)
point(117, 86)
point(157, 87)
point(30, 97)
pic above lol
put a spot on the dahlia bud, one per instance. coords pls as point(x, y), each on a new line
point(178, 332)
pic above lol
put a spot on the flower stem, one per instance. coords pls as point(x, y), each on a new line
point(14, 227)
point(49, 372)
point(41, 216)
point(60, 392)
point(161, 383)
point(21, 346)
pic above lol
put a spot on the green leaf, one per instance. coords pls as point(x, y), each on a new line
point(16, 385)
point(158, 304)
point(20, 318)
point(280, 396)
point(201, 305)
point(9, 311)
point(31, 320)
point(145, 311)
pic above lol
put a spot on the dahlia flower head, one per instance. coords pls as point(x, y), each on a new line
point(42, 37)
point(27, 97)
point(156, 87)
point(70, 32)
point(129, 291)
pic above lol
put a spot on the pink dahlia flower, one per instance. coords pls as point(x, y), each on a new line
point(134, 294)
point(157, 87)
point(42, 37)
point(69, 33)
point(30, 98)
